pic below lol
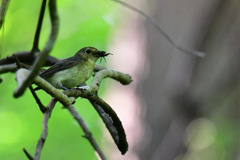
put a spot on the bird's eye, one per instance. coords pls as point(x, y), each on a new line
point(88, 51)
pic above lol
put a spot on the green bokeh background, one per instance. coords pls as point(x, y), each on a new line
point(82, 23)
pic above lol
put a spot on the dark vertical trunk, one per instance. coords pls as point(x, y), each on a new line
point(181, 88)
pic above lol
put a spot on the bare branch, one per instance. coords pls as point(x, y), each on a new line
point(11, 67)
point(25, 78)
point(122, 142)
point(17, 61)
point(104, 73)
point(43, 136)
point(98, 68)
point(43, 55)
point(39, 26)
point(107, 121)
point(8, 68)
point(155, 24)
point(88, 134)
point(122, 78)
point(27, 154)
point(24, 57)
point(38, 101)
point(90, 94)
point(99, 104)
point(62, 98)
point(3, 10)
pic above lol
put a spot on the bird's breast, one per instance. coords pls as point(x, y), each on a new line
point(72, 77)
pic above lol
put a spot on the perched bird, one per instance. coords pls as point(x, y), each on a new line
point(73, 71)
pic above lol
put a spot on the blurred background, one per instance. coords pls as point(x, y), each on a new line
point(179, 106)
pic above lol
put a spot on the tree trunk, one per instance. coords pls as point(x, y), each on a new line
point(181, 88)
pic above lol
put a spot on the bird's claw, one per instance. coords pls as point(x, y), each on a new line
point(85, 88)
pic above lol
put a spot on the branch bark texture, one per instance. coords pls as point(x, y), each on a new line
point(43, 136)
point(3, 10)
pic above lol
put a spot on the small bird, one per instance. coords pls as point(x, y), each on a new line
point(73, 71)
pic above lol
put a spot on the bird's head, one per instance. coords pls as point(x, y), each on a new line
point(91, 53)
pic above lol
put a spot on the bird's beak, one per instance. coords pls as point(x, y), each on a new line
point(101, 54)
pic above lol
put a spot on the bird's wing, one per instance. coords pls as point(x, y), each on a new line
point(62, 65)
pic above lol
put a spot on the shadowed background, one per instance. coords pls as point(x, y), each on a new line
point(178, 107)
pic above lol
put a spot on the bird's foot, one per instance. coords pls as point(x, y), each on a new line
point(64, 88)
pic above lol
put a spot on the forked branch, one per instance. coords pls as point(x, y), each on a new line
point(43, 136)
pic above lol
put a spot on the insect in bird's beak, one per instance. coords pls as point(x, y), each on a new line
point(102, 54)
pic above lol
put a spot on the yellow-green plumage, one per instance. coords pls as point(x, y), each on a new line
point(72, 77)
point(75, 70)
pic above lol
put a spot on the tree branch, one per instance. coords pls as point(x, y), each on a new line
point(88, 134)
point(104, 73)
point(27, 154)
point(3, 10)
point(98, 68)
point(8, 68)
point(90, 94)
point(39, 26)
point(122, 78)
point(121, 140)
point(60, 96)
point(43, 136)
point(108, 121)
point(25, 78)
point(42, 108)
point(158, 27)
point(43, 55)
point(100, 105)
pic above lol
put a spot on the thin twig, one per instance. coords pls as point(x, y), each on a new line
point(88, 134)
point(157, 26)
point(43, 55)
point(3, 10)
point(27, 154)
point(43, 136)
point(38, 101)
point(17, 61)
point(39, 26)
